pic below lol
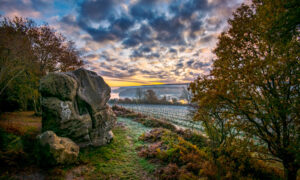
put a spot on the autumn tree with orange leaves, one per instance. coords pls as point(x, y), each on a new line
point(252, 91)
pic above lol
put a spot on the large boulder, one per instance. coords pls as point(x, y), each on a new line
point(74, 105)
point(55, 150)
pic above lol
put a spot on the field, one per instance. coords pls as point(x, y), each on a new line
point(20, 122)
point(178, 115)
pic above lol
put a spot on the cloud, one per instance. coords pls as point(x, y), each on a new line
point(168, 31)
point(69, 20)
point(137, 36)
point(115, 31)
point(25, 8)
point(145, 52)
point(171, 50)
point(96, 10)
point(179, 65)
point(196, 64)
point(143, 10)
point(137, 40)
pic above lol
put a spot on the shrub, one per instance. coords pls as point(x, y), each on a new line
point(234, 160)
point(193, 137)
point(172, 171)
point(120, 111)
point(155, 123)
point(11, 150)
point(184, 160)
point(17, 152)
point(172, 149)
point(169, 172)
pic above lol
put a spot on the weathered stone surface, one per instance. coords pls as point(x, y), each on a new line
point(74, 106)
point(92, 88)
point(57, 150)
point(58, 85)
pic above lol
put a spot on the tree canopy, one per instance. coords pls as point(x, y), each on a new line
point(27, 52)
point(253, 88)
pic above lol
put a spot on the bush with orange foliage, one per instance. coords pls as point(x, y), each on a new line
point(235, 160)
point(184, 160)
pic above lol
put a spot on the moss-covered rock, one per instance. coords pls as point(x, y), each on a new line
point(58, 85)
point(74, 106)
point(55, 150)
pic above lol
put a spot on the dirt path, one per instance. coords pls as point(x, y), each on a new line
point(117, 160)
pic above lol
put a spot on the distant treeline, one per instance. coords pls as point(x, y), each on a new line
point(148, 97)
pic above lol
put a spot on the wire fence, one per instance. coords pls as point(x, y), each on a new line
point(178, 115)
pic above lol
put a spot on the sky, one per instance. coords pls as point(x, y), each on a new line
point(135, 42)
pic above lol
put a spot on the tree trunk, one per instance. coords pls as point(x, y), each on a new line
point(9, 81)
point(34, 105)
point(290, 171)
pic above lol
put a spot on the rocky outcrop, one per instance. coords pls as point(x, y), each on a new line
point(74, 106)
point(56, 150)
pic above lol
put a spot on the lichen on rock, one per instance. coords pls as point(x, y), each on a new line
point(74, 105)
point(56, 150)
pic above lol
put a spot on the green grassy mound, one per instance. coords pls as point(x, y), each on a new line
point(119, 159)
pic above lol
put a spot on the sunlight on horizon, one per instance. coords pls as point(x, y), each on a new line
point(114, 83)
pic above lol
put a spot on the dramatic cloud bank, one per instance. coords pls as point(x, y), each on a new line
point(132, 42)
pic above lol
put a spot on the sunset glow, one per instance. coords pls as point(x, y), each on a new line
point(136, 42)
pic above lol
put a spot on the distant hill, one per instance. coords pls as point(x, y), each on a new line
point(168, 90)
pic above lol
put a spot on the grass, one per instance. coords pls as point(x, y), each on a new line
point(194, 137)
point(17, 135)
point(143, 119)
point(119, 159)
point(20, 123)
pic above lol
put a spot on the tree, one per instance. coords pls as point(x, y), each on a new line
point(174, 100)
point(150, 96)
point(27, 52)
point(186, 95)
point(52, 50)
point(253, 86)
point(139, 93)
point(15, 54)
point(163, 100)
point(127, 101)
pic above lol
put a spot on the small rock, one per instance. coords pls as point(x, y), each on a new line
point(57, 150)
